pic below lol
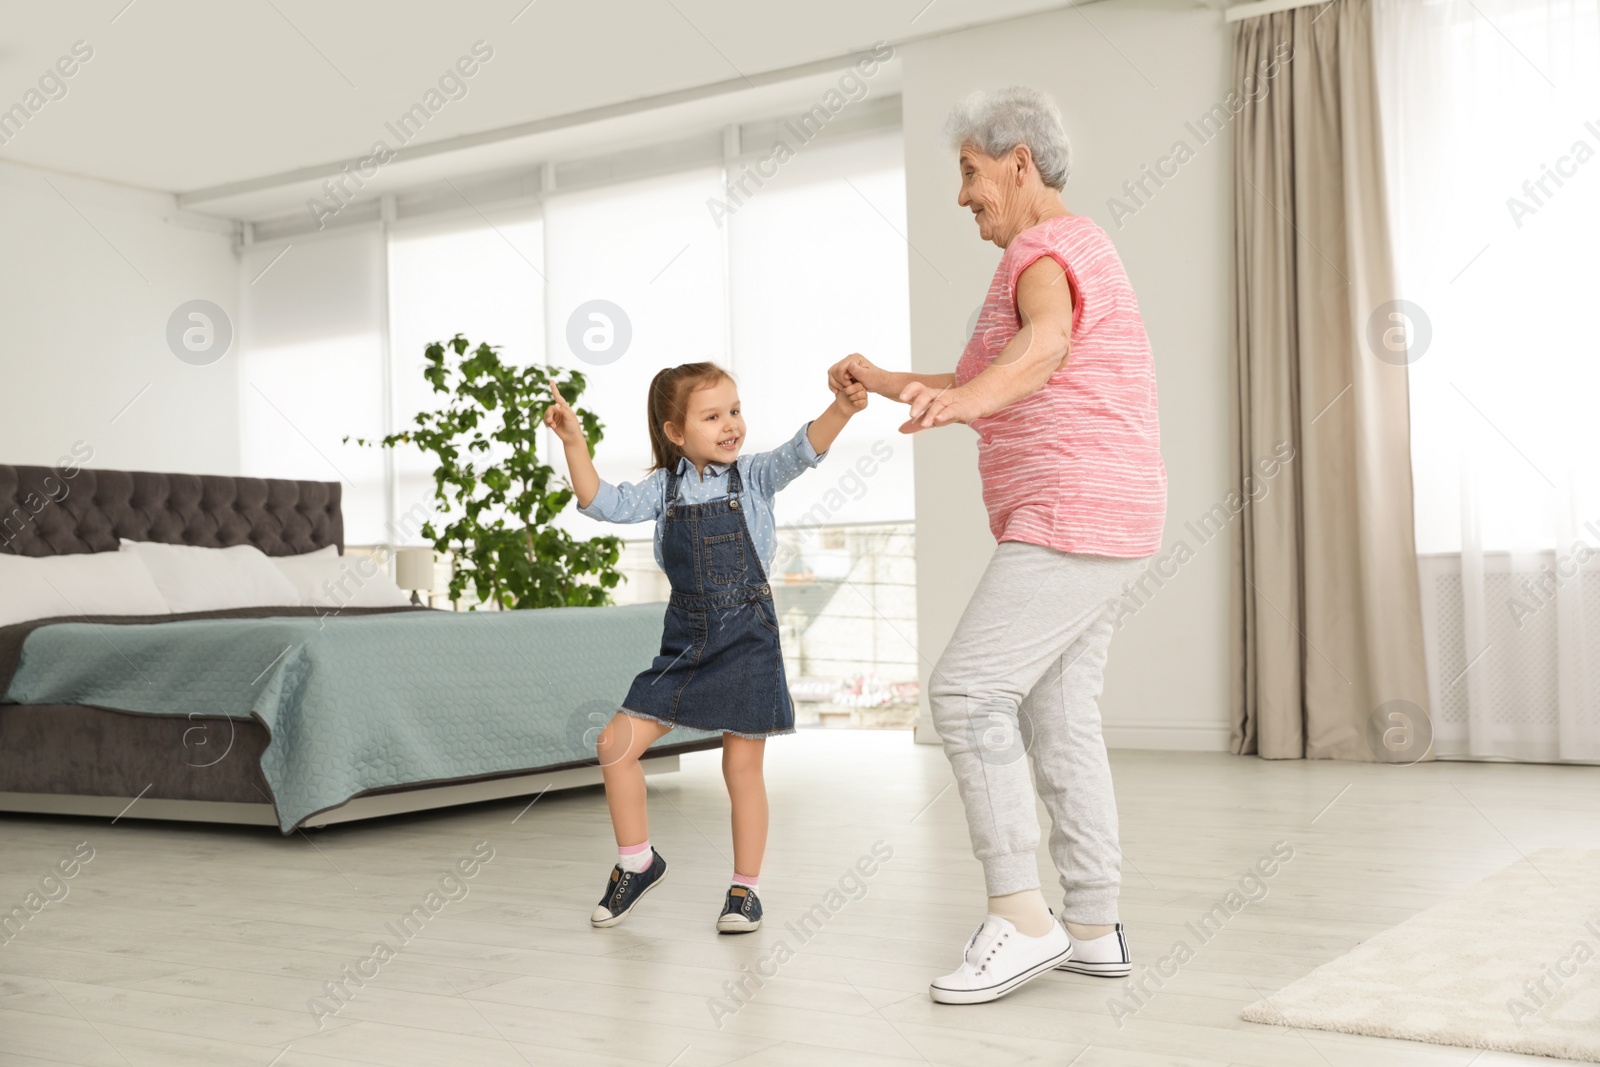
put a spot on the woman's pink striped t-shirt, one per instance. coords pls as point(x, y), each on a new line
point(1077, 465)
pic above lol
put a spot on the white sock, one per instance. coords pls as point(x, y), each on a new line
point(1094, 932)
point(636, 858)
point(1026, 910)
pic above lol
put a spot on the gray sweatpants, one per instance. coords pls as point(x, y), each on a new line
point(1022, 676)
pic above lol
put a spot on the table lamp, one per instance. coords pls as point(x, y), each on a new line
point(413, 570)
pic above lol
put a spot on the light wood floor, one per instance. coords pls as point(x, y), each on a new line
point(191, 945)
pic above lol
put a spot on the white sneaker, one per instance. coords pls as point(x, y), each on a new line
point(1104, 957)
point(998, 959)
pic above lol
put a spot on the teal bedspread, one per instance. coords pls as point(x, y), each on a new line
point(361, 703)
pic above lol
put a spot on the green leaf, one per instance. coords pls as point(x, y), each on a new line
point(497, 520)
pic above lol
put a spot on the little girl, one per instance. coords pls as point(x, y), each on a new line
point(720, 666)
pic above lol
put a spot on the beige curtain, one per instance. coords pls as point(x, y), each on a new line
point(1327, 629)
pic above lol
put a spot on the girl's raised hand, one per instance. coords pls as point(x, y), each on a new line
point(563, 420)
point(852, 398)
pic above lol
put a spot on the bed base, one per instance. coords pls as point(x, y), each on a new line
point(369, 806)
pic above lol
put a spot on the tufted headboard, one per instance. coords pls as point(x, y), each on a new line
point(50, 511)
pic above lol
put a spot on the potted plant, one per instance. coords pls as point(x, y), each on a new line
point(501, 497)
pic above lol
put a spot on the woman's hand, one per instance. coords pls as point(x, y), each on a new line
point(564, 421)
point(938, 407)
point(858, 369)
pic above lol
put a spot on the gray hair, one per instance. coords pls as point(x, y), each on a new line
point(998, 120)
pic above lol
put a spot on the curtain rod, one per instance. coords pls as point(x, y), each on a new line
point(1266, 7)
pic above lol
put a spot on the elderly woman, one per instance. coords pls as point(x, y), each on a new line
point(1059, 384)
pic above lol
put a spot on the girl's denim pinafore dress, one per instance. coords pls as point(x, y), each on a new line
point(721, 667)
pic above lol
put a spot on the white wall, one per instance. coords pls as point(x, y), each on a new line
point(1128, 74)
point(89, 275)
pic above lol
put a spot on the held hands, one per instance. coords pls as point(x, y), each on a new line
point(564, 421)
point(932, 402)
point(856, 369)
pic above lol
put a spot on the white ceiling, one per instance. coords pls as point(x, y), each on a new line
point(279, 195)
point(186, 95)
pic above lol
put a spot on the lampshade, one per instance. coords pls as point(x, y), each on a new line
point(413, 568)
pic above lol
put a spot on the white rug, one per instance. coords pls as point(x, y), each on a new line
point(1448, 977)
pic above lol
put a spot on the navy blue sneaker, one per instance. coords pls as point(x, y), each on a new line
point(625, 889)
point(741, 912)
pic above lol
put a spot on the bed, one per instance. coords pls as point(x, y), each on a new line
point(292, 717)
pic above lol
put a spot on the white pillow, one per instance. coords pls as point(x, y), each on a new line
point(211, 579)
point(325, 579)
point(307, 571)
point(83, 583)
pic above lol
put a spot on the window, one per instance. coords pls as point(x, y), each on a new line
point(1491, 151)
point(819, 270)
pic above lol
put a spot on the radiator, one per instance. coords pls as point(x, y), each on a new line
point(1504, 696)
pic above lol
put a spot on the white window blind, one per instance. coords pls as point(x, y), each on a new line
point(311, 369)
point(817, 271)
point(482, 278)
point(651, 253)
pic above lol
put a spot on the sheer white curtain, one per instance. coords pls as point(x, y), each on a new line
point(1492, 134)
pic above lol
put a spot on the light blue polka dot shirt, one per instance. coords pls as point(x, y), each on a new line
point(763, 475)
